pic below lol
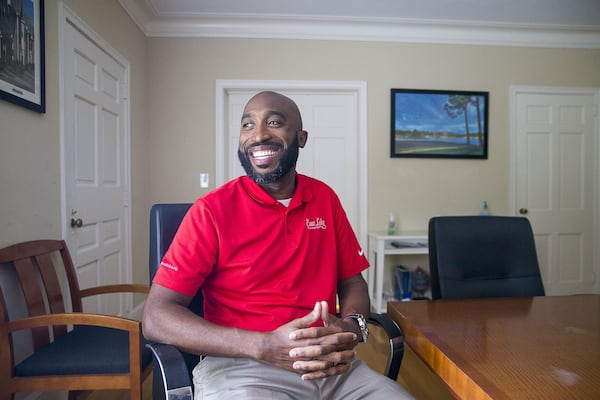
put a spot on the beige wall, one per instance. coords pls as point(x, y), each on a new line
point(30, 196)
point(181, 111)
point(172, 110)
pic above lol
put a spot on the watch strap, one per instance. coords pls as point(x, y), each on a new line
point(362, 324)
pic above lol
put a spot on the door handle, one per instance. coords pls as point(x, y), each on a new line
point(76, 223)
point(523, 211)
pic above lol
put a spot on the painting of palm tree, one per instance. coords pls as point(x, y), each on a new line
point(433, 123)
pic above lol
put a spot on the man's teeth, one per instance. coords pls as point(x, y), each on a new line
point(263, 153)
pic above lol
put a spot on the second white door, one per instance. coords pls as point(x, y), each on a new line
point(554, 176)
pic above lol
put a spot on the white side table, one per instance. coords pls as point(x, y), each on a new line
point(380, 245)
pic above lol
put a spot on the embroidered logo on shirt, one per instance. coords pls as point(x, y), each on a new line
point(164, 264)
point(318, 223)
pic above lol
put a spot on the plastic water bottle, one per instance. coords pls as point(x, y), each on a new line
point(391, 225)
point(485, 210)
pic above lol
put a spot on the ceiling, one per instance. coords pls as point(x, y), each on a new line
point(546, 23)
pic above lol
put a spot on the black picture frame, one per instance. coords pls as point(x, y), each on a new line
point(22, 54)
point(439, 123)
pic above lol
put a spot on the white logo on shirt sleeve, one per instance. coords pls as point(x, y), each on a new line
point(166, 265)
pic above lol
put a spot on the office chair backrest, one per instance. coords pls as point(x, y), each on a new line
point(483, 256)
point(164, 222)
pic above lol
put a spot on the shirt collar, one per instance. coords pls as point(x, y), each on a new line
point(302, 194)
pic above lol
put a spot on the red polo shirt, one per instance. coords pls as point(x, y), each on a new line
point(261, 264)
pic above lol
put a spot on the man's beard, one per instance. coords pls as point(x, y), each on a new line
point(286, 163)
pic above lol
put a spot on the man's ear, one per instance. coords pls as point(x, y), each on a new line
point(302, 138)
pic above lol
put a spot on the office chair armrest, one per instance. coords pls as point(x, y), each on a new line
point(171, 376)
point(396, 339)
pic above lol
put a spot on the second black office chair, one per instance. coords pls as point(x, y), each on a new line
point(483, 256)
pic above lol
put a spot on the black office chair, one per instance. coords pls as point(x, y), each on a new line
point(483, 256)
point(172, 368)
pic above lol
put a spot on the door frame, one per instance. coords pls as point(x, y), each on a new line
point(66, 17)
point(223, 86)
point(548, 90)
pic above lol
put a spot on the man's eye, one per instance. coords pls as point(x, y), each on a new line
point(274, 123)
point(247, 125)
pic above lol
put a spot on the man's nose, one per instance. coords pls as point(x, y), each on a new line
point(261, 134)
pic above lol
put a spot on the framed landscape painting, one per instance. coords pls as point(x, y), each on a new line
point(439, 123)
point(22, 53)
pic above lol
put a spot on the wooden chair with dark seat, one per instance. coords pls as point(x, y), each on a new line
point(483, 256)
point(71, 351)
point(172, 368)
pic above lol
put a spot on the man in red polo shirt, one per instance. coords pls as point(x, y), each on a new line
point(271, 251)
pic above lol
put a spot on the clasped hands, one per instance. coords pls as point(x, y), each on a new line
point(314, 352)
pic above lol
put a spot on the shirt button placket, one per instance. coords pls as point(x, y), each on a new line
point(289, 229)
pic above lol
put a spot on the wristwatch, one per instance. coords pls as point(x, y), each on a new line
point(362, 324)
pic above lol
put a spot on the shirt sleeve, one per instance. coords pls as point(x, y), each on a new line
point(192, 255)
point(351, 257)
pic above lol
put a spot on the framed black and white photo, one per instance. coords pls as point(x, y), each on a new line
point(22, 64)
point(439, 123)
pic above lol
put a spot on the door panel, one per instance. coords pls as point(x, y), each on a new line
point(95, 119)
point(331, 152)
point(554, 181)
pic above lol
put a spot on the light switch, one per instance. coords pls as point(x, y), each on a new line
point(203, 180)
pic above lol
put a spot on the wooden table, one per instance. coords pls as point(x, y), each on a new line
point(511, 348)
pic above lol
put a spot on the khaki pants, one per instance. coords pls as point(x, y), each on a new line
point(243, 379)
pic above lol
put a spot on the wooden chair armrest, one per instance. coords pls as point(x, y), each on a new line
point(118, 288)
point(76, 318)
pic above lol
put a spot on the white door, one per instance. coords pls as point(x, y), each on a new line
point(554, 176)
point(96, 162)
point(332, 150)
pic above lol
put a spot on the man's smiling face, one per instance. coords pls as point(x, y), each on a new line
point(270, 137)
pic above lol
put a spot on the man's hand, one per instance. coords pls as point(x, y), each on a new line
point(323, 351)
point(278, 343)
